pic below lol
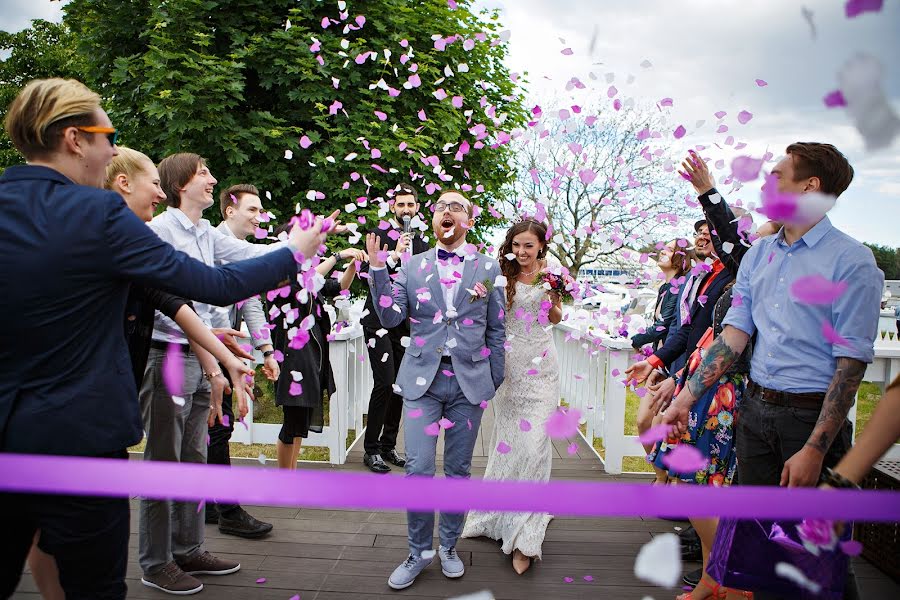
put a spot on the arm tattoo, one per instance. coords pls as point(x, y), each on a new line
point(719, 356)
point(839, 398)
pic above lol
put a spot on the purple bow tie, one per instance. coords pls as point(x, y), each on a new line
point(445, 254)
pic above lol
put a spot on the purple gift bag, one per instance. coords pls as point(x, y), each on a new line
point(745, 554)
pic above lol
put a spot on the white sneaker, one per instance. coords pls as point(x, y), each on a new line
point(451, 565)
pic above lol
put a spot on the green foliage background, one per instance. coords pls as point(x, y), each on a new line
point(229, 80)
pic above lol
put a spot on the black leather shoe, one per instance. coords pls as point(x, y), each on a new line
point(212, 514)
point(375, 463)
point(691, 552)
point(693, 578)
point(688, 534)
point(394, 458)
point(238, 522)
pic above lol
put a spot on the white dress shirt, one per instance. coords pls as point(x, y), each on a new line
point(208, 245)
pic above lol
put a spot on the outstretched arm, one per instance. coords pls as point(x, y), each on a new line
point(380, 286)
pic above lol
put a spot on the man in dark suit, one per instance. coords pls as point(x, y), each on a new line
point(385, 349)
point(68, 254)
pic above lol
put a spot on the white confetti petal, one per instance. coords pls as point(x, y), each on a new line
point(261, 458)
point(178, 400)
point(789, 571)
point(715, 198)
point(727, 247)
point(659, 561)
point(288, 154)
point(420, 381)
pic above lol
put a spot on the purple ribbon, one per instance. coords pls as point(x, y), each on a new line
point(330, 489)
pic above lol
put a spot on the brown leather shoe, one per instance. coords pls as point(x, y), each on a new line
point(172, 580)
point(207, 564)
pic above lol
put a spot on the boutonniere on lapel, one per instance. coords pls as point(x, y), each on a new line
point(481, 291)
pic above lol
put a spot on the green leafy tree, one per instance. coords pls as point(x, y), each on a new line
point(887, 259)
point(43, 50)
point(316, 106)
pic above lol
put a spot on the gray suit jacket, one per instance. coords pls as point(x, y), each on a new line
point(417, 295)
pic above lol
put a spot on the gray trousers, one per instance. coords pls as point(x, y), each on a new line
point(443, 399)
point(167, 529)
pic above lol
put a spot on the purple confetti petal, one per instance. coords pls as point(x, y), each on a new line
point(524, 425)
point(851, 547)
point(414, 413)
point(815, 289)
point(834, 99)
point(446, 423)
point(746, 168)
point(854, 8)
point(744, 117)
point(261, 580)
point(503, 448)
point(679, 132)
point(433, 429)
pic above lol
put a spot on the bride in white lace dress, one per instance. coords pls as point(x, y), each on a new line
point(529, 394)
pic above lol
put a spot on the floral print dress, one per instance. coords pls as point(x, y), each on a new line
point(711, 422)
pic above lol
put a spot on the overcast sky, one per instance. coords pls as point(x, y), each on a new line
point(706, 56)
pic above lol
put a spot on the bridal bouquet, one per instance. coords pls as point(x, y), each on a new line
point(558, 281)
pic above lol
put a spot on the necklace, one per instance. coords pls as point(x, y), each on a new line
point(532, 272)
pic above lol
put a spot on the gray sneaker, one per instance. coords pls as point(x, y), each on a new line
point(405, 575)
point(451, 565)
point(172, 580)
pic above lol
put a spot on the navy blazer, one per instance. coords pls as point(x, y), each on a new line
point(68, 255)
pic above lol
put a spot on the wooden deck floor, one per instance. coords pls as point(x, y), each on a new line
point(337, 554)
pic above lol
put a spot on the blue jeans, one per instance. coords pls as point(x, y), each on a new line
point(444, 399)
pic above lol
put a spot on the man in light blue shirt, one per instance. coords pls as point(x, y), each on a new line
point(809, 358)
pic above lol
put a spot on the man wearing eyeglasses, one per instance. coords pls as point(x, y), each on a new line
point(385, 347)
point(454, 362)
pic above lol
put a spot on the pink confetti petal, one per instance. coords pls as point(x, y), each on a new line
point(679, 132)
point(657, 433)
point(572, 449)
point(746, 168)
point(833, 337)
point(566, 52)
point(414, 413)
point(685, 459)
point(305, 142)
point(744, 117)
point(261, 580)
point(524, 425)
point(295, 389)
point(588, 578)
point(762, 82)
point(815, 289)
point(484, 404)
point(433, 429)
point(381, 116)
point(173, 370)
point(385, 301)
point(446, 423)
point(563, 423)
point(568, 579)
point(503, 448)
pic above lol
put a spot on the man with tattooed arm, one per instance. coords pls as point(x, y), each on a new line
point(809, 358)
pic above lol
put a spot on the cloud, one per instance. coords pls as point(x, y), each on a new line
point(16, 15)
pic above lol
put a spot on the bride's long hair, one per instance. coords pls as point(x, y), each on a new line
point(510, 268)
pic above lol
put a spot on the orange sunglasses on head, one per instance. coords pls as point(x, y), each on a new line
point(111, 133)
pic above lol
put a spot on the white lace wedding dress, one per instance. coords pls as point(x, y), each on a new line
point(528, 396)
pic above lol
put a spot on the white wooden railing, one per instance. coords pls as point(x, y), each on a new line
point(591, 373)
point(353, 379)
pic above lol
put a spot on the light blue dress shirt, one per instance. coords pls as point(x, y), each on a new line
point(791, 353)
point(208, 245)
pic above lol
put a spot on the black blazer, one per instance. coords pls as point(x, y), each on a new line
point(370, 320)
point(659, 329)
point(68, 256)
point(685, 339)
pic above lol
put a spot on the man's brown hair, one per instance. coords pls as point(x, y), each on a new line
point(232, 195)
point(812, 159)
point(43, 109)
point(175, 171)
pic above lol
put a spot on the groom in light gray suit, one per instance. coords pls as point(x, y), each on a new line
point(454, 362)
